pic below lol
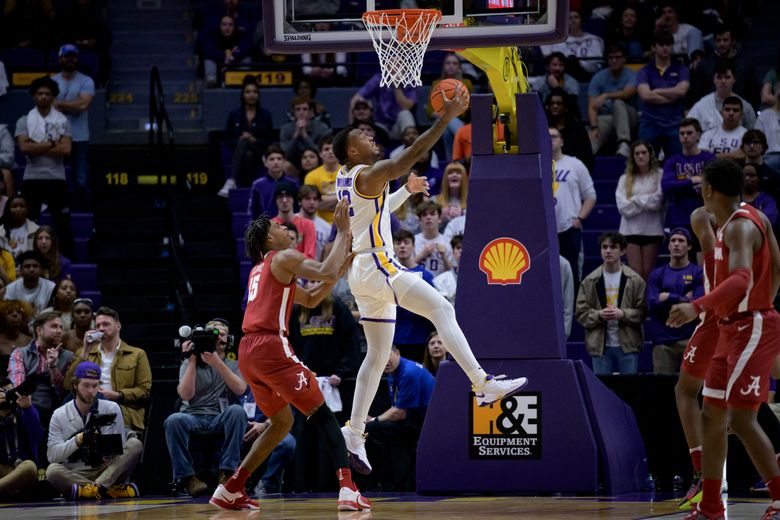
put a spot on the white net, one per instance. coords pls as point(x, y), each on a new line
point(400, 39)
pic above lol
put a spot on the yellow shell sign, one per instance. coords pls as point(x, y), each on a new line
point(504, 260)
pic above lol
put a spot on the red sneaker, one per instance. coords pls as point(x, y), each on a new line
point(224, 499)
point(697, 514)
point(352, 500)
point(771, 514)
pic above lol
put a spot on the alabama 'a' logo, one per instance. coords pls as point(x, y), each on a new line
point(504, 260)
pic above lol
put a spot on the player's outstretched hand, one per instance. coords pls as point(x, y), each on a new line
point(453, 107)
point(681, 314)
point(416, 184)
point(341, 215)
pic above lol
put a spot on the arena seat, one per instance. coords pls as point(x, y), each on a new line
point(604, 217)
point(85, 276)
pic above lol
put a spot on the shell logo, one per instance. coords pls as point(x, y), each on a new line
point(504, 260)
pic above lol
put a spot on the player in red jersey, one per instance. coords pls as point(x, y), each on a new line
point(267, 361)
point(696, 358)
point(747, 272)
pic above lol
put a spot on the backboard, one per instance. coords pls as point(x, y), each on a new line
point(298, 26)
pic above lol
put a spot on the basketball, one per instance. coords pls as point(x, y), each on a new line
point(449, 87)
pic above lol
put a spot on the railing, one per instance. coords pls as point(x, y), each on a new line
point(159, 123)
point(162, 155)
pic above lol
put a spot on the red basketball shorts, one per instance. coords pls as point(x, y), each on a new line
point(738, 376)
point(701, 347)
point(276, 375)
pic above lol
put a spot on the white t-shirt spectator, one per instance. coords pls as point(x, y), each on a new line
point(447, 284)
point(434, 262)
point(573, 185)
point(39, 297)
point(455, 226)
point(687, 39)
point(769, 123)
point(707, 112)
point(612, 288)
point(322, 231)
point(585, 46)
point(719, 140)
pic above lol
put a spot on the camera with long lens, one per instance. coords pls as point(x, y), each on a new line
point(12, 395)
point(97, 445)
point(203, 339)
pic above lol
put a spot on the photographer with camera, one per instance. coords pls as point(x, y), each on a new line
point(20, 435)
point(126, 377)
point(44, 361)
point(91, 456)
point(208, 385)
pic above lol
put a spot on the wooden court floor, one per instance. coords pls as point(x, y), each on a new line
point(388, 507)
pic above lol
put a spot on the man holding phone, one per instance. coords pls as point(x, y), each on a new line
point(21, 433)
point(44, 361)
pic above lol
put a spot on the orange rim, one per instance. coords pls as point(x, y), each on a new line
point(405, 20)
point(395, 15)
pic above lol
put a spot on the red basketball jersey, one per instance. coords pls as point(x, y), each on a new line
point(757, 297)
point(269, 301)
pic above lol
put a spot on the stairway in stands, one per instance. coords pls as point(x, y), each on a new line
point(164, 251)
point(150, 33)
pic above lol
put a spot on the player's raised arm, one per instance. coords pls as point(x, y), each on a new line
point(291, 262)
point(372, 180)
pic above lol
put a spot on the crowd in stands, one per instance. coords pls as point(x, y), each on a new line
point(666, 95)
point(668, 88)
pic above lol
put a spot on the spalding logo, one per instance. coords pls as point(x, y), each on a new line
point(504, 260)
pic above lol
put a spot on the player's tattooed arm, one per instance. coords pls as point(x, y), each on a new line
point(374, 178)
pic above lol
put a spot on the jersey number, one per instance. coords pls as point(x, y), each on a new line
point(345, 193)
point(253, 283)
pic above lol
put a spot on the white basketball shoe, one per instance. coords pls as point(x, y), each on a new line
point(496, 388)
point(356, 449)
point(352, 500)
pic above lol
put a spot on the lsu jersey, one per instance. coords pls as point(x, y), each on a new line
point(369, 219)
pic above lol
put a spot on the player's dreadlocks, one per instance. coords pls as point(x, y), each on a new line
point(255, 237)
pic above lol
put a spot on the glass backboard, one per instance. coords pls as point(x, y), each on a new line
point(297, 26)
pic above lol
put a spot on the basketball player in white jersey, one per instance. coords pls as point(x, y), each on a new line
point(379, 282)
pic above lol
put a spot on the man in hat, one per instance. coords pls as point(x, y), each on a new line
point(71, 439)
point(285, 195)
point(44, 136)
point(676, 282)
point(76, 93)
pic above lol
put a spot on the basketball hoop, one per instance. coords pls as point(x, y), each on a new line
point(400, 37)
